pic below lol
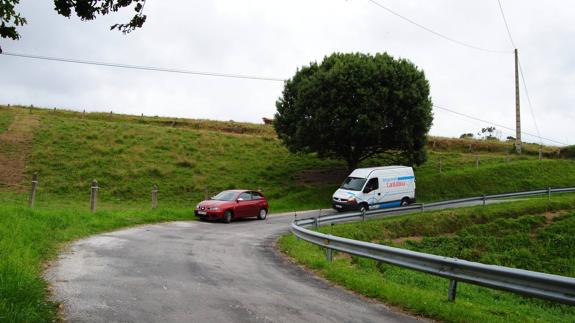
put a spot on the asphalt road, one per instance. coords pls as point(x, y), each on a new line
point(200, 272)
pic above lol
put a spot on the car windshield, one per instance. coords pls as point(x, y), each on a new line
point(225, 196)
point(353, 183)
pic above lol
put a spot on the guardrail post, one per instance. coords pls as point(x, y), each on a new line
point(316, 222)
point(94, 195)
point(452, 290)
point(33, 190)
point(483, 197)
point(363, 215)
point(328, 255)
point(295, 220)
point(422, 208)
point(549, 193)
point(154, 196)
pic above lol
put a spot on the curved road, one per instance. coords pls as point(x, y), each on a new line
point(199, 272)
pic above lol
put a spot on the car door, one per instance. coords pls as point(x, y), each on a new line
point(258, 202)
point(244, 205)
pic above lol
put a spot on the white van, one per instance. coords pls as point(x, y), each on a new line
point(375, 188)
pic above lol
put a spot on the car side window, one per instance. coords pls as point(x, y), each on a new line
point(245, 196)
point(256, 196)
point(372, 185)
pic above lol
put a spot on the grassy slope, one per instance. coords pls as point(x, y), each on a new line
point(516, 235)
point(128, 157)
point(128, 154)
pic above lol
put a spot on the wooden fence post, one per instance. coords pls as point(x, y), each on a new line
point(94, 195)
point(154, 196)
point(33, 190)
point(440, 164)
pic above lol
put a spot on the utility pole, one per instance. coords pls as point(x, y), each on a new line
point(517, 107)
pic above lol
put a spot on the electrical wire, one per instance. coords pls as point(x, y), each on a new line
point(455, 41)
point(495, 124)
point(529, 99)
point(145, 68)
point(506, 25)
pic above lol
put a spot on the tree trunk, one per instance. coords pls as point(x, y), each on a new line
point(352, 164)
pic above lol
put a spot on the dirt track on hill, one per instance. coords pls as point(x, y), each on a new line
point(15, 145)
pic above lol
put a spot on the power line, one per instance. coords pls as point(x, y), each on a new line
point(435, 32)
point(529, 99)
point(145, 68)
point(506, 25)
point(495, 124)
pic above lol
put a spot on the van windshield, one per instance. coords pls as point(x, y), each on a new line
point(353, 183)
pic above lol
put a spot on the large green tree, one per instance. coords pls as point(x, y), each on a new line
point(354, 106)
point(11, 19)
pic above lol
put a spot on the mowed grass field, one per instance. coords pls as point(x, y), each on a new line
point(128, 154)
point(534, 235)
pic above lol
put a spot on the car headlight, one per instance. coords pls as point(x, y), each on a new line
point(197, 206)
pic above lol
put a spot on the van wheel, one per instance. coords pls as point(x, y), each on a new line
point(405, 201)
point(363, 207)
point(262, 215)
point(228, 216)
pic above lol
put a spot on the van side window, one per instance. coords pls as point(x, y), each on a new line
point(372, 184)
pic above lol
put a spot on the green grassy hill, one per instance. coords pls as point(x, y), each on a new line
point(127, 154)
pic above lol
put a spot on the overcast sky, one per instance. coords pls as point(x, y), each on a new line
point(274, 38)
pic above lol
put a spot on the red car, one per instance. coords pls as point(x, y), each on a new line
point(233, 204)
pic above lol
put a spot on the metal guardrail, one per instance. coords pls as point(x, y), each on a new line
point(530, 283)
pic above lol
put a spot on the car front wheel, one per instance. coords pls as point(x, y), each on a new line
point(262, 215)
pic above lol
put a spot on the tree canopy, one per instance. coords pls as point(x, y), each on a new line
point(11, 19)
point(354, 106)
